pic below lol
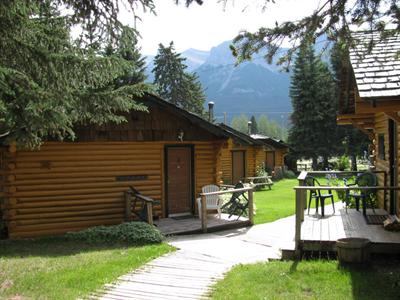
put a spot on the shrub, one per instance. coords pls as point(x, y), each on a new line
point(343, 163)
point(289, 174)
point(132, 233)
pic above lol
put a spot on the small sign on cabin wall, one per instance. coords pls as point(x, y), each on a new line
point(131, 177)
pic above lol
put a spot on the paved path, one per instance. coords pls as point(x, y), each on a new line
point(200, 261)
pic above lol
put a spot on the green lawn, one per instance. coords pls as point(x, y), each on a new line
point(59, 269)
point(310, 280)
point(279, 202)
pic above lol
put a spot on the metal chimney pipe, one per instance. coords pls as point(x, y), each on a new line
point(211, 111)
point(249, 127)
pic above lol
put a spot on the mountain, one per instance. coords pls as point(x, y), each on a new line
point(252, 88)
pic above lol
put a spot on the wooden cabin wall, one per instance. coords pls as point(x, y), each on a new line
point(72, 186)
point(279, 157)
point(254, 156)
point(381, 127)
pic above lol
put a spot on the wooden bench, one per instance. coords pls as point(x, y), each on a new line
point(260, 181)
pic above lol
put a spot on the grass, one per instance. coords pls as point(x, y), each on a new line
point(310, 280)
point(279, 202)
point(59, 269)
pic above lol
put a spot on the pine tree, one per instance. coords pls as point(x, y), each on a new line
point(174, 84)
point(253, 128)
point(48, 83)
point(127, 49)
point(314, 130)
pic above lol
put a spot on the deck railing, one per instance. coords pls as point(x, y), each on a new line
point(131, 201)
point(203, 196)
point(301, 196)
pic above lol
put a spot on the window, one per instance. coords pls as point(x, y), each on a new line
point(381, 146)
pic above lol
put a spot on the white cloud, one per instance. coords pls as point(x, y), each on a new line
point(205, 26)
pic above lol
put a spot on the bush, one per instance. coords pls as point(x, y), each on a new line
point(131, 233)
point(343, 163)
point(289, 174)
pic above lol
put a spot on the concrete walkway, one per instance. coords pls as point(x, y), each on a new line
point(200, 261)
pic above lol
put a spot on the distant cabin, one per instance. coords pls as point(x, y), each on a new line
point(243, 155)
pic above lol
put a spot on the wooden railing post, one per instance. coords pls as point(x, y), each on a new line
point(251, 206)
point(203, 213)
point(298, 220)
point(128, 208)
point(149, 206)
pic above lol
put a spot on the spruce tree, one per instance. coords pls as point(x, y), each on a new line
point(127, 49)
point(253, 128)
point(314, 130)
point(174, 84)
point(49, 83)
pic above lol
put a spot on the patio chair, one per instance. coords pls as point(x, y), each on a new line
point(366, 179)
point(318, 195)
point(238, 203)
point(212, 201)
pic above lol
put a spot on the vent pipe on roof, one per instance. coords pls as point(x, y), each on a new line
point(249, 127)
point(211, 111)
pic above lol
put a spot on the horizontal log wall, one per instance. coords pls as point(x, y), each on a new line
point(280, 157)
point(71, 186)
point(254, 156)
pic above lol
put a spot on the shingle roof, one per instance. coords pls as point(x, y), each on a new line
point(270, 141)
point(240, 137)
point(377, 72)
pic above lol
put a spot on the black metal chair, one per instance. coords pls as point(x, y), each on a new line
point(238, 203)
point(318, 196)
point(367, 179)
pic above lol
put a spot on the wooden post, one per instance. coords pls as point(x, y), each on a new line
point(251, 207)
point(149, 206)
point(303, 196)
point(297, 235)
point(203, 213)
point(128, 208)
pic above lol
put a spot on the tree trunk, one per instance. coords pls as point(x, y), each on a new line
point(353, 158)
point(326, 163)
point(314, 163)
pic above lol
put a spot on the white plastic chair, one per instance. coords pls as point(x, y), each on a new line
point(212, 201)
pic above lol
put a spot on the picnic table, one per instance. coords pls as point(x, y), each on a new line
point(259, 181)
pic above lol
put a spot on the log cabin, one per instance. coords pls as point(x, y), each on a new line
point(370, 101)
point(275, 151)
point(167, 154)
point(241, 155)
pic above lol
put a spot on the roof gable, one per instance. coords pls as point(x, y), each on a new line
point(240, 137)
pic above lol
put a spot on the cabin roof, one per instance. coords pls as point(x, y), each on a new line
point(192, 117)
point(240, 137)
point(376, 69)
point(270, 141)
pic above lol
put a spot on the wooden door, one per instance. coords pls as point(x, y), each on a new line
point(238, 166)
point(270, 160)
point(393, 165)
point(179, 180)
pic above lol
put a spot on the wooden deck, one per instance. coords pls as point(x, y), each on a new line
point(191, 225)
point(321, 233)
